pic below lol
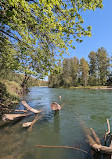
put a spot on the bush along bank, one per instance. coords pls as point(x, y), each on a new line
point(10, 93)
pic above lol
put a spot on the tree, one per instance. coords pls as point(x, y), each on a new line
point(93, 68)
point(8, 57)
point(103, 65)
point(66, 78)
point(84, 68)
point(49, 25)
point(55, 77)
point(74, 70)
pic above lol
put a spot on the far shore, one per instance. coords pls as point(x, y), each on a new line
point(92, 87)
point(86, 87)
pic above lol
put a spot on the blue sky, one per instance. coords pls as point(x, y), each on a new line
point(101, 22)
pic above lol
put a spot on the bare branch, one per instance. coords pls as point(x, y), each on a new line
point(95, 136)
point(108, 132)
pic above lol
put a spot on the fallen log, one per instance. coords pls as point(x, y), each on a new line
point(30, 108)
point(95, 136)
point(33, 122)
point(102, 149)
point(111, 145)
point(55, 106)
point(27, 124)
point(21, 110)
point(95, 144)
point(12, 116)
point(30, 124)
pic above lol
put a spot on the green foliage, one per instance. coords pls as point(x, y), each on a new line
point(8, 57)
point(10, 92)
point(103, 65)
point(84, 68)
point(40, 29)
point(74, 74)
point(68, 75)
point(93, 63)
point(74, 70)
point(93, 68)
point(32, 82)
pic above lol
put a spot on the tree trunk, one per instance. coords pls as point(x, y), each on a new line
point(24, 83)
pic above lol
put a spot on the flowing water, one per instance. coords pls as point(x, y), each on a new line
point(92, 107)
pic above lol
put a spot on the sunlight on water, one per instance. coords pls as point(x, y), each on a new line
point(92, 107)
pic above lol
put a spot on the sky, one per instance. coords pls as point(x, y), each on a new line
point(101, 22)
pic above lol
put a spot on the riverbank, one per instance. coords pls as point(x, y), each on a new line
point(89, 87)
point(92, 87)
point(10, 93)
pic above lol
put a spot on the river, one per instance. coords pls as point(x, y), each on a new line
point(92, 107)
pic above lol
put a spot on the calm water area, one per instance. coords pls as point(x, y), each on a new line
point(91, 107)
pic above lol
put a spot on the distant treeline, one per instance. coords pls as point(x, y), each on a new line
point(18, 78)
point(74, 72)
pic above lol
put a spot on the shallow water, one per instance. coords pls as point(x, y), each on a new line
point(92, 107)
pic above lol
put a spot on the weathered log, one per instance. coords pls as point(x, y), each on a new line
point(98, 147)
point(95, 136)
point(102, 149)
point(27, 124)
point(12, 116)
point(90, 140)
point(111, 145)
point(55, 106)
point(30, 124)
point(33, 122)
point(21, 110)
point(95, 142)
point(30, 108)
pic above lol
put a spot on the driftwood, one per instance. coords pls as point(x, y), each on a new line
point(27, 124)
point(66, 147)
point(21, 110)
point(12, 116)
point(55, 106)
point(30, 108)
point(33, 122)
point(111, 145)
point(95, 142)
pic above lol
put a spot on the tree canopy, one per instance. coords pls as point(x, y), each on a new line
point(75, 72)
point(39, 30)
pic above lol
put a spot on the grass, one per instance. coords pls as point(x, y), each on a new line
point(10, 92)
point(91, 87)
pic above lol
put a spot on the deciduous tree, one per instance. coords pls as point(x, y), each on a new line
point(103, 65)
point(93, 68)
point(84, 68)
point(74, 70)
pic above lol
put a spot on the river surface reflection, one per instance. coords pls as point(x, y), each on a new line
point(92, 107)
